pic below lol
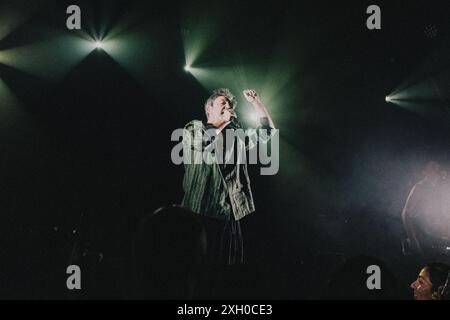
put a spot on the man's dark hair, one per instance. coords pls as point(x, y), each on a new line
point(438, 274)
point(221, 92)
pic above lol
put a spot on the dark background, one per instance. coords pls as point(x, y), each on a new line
point(95, 145)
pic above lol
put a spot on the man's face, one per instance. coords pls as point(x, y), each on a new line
point(219, 111)
point(422, 286)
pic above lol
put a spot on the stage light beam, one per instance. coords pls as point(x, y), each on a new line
point(99, 45)
point(187, 68)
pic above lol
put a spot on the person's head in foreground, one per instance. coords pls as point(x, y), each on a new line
point(431, 281)
point(168, 253)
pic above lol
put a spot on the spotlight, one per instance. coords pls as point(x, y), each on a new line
point(99, 45)
point(388, 99)
point(187, 68)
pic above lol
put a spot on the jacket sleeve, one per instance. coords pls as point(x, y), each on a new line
point(262, 134)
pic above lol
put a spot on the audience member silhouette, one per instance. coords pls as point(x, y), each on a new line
point(168, 253)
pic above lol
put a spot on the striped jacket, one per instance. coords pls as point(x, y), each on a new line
point(211, 188)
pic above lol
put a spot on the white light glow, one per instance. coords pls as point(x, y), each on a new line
point(99, 45)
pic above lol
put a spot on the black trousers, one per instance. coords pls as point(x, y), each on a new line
point(225, 251)
point(225, 245)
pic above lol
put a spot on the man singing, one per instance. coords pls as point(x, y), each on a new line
point(219, 189)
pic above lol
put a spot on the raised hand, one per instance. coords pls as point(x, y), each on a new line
point(251, 95)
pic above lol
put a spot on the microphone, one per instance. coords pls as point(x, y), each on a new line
point(235, 124)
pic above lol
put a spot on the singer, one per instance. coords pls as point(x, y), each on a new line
point(220, 191)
